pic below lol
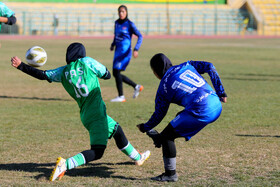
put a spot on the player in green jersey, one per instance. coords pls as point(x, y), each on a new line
point(6, 15)
point(80, 79)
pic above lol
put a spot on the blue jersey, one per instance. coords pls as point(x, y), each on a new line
point(122, 40)
point(184, 86)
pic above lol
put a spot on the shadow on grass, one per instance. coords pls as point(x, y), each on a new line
point(259, 136)
point(250, 79)
point(254, 77)
point(260, 74)
point(33, 98)
point(101, 170)
point(29, 167)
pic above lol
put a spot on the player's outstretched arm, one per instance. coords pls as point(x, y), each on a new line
point(3, 20)
point(15, 61)
point(34, 72)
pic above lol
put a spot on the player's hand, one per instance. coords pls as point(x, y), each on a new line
point(140, 127)
point(112, 48)
point(223, 99)
point(15, 61)
point(156, 137)
point(135, 54)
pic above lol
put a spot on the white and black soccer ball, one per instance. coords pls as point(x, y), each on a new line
point(36, 56)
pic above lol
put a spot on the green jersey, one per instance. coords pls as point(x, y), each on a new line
point(80, 80)
point(5, 11)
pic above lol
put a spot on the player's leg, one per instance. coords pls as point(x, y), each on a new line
point(98, 132)
point(121, 60)
point(118, 77)
point(168, 135)
point(128, 81)
point(119, 84)
point(122, 143)
point(184, 125)
point(157, 137)
point(86, 156)
point(79, 159)
point(125, 146)
point(137, 87)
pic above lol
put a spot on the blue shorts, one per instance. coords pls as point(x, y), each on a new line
point(188, 124)
point(122, 58)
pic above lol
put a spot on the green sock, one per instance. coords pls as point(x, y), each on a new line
point(75, 161)
point(130, 151)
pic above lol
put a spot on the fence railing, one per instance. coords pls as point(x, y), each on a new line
point(157, 21)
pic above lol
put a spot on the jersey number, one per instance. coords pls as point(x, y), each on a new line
point(79, 92)
point(191, 78)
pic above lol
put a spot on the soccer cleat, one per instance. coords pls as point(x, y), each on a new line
point(165, 178)
point(118, 99)
point(137, 90)
point(144, 157)
point(59, 169)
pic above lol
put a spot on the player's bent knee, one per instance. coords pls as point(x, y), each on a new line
point(99, 153)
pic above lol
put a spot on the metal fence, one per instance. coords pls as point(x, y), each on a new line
point(157, 21)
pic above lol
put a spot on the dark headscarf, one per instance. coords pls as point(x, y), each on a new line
point(74, 52)
point(123, 20)
point(160, 64)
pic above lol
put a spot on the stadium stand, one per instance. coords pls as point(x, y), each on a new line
point(269, 10)
point(266, 15)
point(125, 1)
point(98, 19)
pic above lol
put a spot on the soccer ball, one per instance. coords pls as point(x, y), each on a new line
point(36, 56)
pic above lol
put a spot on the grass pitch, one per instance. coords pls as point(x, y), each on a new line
point(39, 121)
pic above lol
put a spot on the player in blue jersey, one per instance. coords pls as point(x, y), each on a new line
point(124, 29)
point(7, 16)
point(183, 85)
point(80, 79)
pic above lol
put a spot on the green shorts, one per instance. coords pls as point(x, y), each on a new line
point(100, 126)
point(99, 134)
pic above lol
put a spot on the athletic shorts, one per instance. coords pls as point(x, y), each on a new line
point(187, 124)
point(122, 58)
point(99, 125)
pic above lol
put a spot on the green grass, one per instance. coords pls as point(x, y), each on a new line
point(39, 121)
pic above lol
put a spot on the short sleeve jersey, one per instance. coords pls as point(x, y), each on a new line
point(80, 79)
